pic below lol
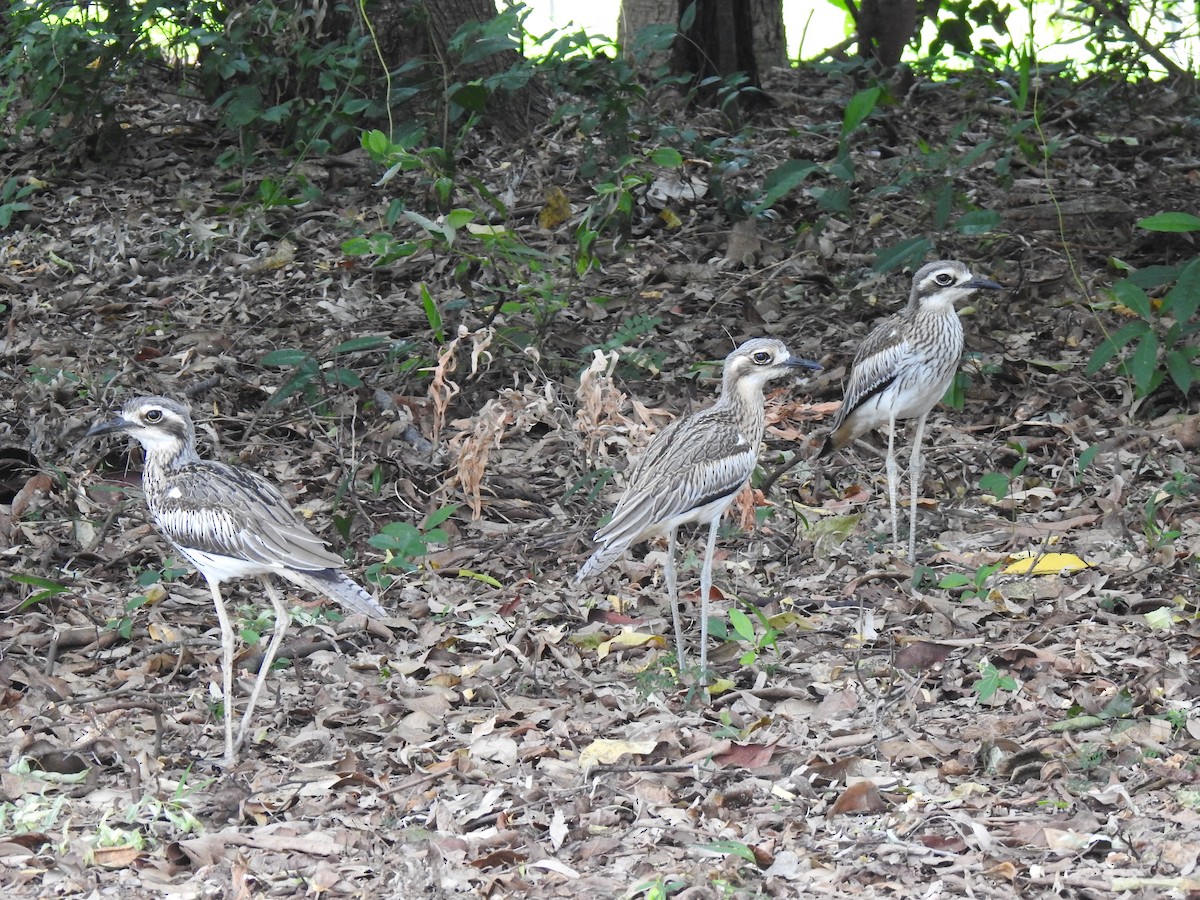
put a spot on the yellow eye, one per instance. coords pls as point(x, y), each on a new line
point(761, 357)
point(943, 278)
point(153, 416)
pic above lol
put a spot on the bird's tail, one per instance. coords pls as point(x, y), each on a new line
point(605, 556)
point(337, 586)
point(836, 440)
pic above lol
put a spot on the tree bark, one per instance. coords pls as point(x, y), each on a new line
point(770, 36)
point(884, 29)
point(638, 14)
point(721, 42)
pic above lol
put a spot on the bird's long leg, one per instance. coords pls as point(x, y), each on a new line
point(893, 477)
point(914, 481)
point(705, 589)
point(226, 667)
point(282, 619)
point(673, 593)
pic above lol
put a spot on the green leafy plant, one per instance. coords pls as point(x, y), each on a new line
point(971, 585)
point(990, 681)
point(150, 580)
point(998, 484)
point(268, 67)
point(656, 888)
point(1160, 340)
point(12, 198)
point(761, 636)
point(605, 94)
point(309, 375)
point(403, 543)
point(45, 588)
point(1161, 530)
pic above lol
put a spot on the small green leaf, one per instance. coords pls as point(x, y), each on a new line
point(1086, 457)
point(432, 314)
point(457, 218)
point(783, 180)
point(471, 96)
point(906, 253)
point(148, 577)
point(343, 377)
point(355, 345)
point(1160, 619)
point(954, 580)
point(1170, 221)
point(1132, 296)
point(49, 587)
point(1184, 298)
point(733, 848)
point(667, 157)
point(979, 221)
point(438, 516)
point(1143, 363)
point(1109, 348)
point(742, 625)
point(688, 17)
point(995, 483)
point(859, 107)
point(1181, 370)
point(286, 357)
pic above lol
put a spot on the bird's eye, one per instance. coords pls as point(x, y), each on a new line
point(944, 278)
point(761, 357)
point(153, 416)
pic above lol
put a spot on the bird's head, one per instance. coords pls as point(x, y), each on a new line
point(943, 282)
point(157, 423)
point(759, 360)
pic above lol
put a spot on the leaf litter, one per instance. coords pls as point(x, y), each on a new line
point(531, 738)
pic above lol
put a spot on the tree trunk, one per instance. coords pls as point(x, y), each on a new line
point(638, 14)
point(884, 29)
point(770, 36)
point(721, 42)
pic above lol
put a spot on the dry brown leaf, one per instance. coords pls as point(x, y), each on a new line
point(861, 798)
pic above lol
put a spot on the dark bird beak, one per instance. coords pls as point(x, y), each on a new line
point(985, 284)
point(799, 362)
point(120, 423)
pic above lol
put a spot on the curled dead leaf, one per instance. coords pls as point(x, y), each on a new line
point(607, 752)
point(860, 798)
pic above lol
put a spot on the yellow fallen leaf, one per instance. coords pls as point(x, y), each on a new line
point(1047, 564)
point(557, 209)
point(625, 639)
point(670, 219)
point(604, 751)
point(164, 633)
point(720, 686)
point(283, 255)
point(486, 230)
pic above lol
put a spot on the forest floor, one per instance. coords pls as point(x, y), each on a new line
point(957, 729)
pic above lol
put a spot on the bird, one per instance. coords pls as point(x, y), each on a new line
point(229, 522)
point(903, 369)
point(692, 470)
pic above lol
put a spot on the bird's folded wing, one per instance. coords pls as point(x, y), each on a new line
point(874, 370)
point(234, 512)
point(671, 481)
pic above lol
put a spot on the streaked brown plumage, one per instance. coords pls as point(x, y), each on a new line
point(229, 523)
point(903, 369)
point(693, 469)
